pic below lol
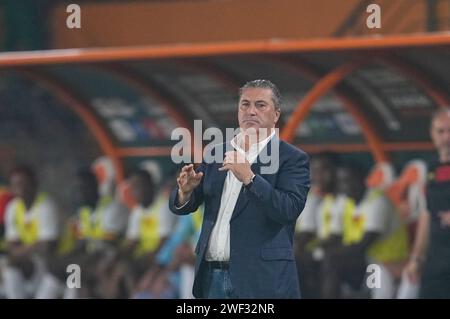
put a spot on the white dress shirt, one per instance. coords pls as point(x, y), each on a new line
point(219, 241)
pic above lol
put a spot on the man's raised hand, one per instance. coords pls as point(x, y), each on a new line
point(187, 181)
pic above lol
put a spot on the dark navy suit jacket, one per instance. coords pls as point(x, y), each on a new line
point(262, 263)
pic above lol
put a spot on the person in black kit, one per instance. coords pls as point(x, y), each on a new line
point(431, 253)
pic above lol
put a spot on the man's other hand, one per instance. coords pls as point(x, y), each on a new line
point(187, 181)
point(238, 164)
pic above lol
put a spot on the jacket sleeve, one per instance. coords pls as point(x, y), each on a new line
point(284, 202)
point(196, 198)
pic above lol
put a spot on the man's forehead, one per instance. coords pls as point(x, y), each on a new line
point(256, 94)
point(442, 120)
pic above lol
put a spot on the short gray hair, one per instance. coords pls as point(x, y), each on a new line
point(264, 84)
point(439, 111)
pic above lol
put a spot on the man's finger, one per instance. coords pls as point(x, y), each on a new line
point(225, 167)
point(231, 159)
point(191, 174)
point(187, 168)
point(198, 176)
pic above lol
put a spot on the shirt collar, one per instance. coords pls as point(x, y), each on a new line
point(254, 150)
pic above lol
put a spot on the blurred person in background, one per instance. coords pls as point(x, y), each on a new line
point(323, 179)
point(391, 248)
point(340, 265)
point(101, 222)
point(176, 259)
point(5, 197)
point(430, 258)
point(31, 231)
point(408, 195)
point(149, 226)
point(371, 233)
point(89, 239)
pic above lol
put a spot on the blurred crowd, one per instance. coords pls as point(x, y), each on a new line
point(122, 239)
point(128, 244)
point(354, 237)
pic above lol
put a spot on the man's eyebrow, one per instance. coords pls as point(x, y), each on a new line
point(257, 101)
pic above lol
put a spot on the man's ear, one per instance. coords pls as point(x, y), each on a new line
point(277, 115)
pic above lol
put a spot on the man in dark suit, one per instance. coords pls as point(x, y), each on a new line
point(245, 247)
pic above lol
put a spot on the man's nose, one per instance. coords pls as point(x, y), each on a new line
point(251, 109)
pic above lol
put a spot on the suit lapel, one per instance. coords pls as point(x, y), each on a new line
point(220, 176)
point(218, 181)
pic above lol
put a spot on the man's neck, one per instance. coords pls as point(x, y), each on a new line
point(248, 140)
point(92, 202)
point(29, 200)
point(147, 203)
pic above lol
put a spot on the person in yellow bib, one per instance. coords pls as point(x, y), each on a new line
point(175, 276)
point(149, 225)
point(31, 231)
point(310, 224)
point(101, 223)
point(90, 238)
point(100, 220)
point(371, 233)
point(344, 264)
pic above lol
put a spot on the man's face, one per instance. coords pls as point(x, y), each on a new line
point(85, 190)
point(137, 188)
point(22, 186)
point(440, 132)
point(348, 183)
point(257, 110)
point(322, 174)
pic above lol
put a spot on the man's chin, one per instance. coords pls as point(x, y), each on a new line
point(251, 129)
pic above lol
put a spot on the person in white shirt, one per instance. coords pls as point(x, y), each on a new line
point(31, 231)
point(371, 233)
point(149, 224)
point(339, 265)
point(252, 201)
point(90, 239)
point(323, 178)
